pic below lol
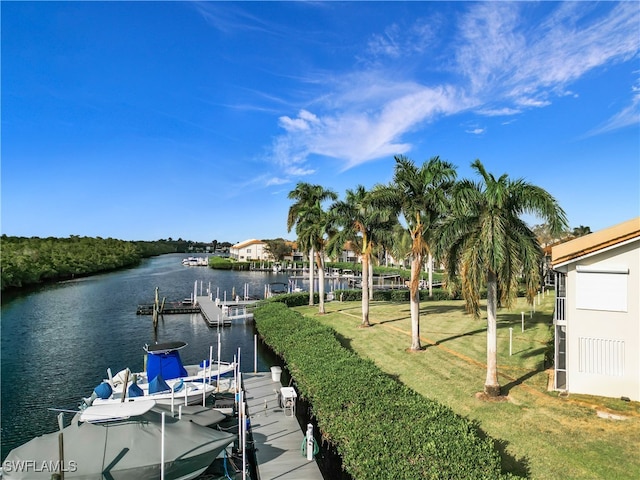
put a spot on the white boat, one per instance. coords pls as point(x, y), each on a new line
point(164, 358)
point(171, 392)
point(196, 261)
point(127, 441)
point(165, 380)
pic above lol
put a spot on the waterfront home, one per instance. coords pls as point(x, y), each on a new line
point(597, 313)
point(250, 250)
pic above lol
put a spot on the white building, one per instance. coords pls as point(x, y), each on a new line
point(250, 250)
point(597, 314)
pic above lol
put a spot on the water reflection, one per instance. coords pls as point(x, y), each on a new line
point(58, 341)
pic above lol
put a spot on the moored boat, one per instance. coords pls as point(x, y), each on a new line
point(126, 441)
point(164, 358)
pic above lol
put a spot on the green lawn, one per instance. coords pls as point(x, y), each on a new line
point(540, 433)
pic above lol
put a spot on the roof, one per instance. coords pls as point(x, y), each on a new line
point(594, 242)
point(246, 243)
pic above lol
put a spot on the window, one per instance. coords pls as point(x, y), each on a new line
point(601, 288)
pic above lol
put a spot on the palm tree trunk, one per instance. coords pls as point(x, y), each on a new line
point(370, 280)
point(311, 275)
point(320, 257)
point(491, 385)
point(365, 290)
point(414, 301)
point(430, 268)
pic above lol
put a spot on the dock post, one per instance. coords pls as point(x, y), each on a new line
point(510, 341)
point(255, 353)
point(162, 450)
point(210, 364)
point(309, 441)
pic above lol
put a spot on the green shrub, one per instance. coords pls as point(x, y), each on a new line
point(381, 428)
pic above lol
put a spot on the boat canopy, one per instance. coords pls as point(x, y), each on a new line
point(164, 347)
point(168, 364)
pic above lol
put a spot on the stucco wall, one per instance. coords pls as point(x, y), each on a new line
point(603, 347)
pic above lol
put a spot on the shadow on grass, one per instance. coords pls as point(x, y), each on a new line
point(505, 389)
point(510, 319)
point(390, 320)
point(518, 467)
point(510, 464)
point(460, 335)
point(532, 353)
point(344, 341)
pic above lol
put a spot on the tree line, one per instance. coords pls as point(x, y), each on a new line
point(28, 261)
point(473, 227)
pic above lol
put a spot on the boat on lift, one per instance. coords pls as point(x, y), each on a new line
point(127, 441)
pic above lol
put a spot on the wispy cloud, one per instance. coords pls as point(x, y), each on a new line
point(628, 116)
point(503, 64)
point(501, 57)
point(355, 134)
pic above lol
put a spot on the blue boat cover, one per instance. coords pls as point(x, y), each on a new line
point(103, 390)
point(168, 364)
point(135, 391)
point(158, 385)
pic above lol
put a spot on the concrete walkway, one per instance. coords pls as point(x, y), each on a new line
point(277, 437)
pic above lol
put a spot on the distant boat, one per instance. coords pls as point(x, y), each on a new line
point(277, 267)
point(120, 441)
point(276, 288)
point(196, 261)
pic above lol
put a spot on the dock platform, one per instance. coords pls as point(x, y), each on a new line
point(223, 314)
point(277, 436)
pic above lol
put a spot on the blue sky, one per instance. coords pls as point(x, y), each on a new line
point(194, 120)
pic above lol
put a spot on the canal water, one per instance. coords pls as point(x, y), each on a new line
point(58, 341)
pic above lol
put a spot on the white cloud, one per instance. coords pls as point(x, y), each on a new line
point(369, 126)
point(276, 181)
point(502, 57)
point(507, 58)
point(628, 116)
point(498, 112)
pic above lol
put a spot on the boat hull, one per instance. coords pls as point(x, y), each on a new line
point(124, 450)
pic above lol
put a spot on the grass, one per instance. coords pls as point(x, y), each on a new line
point(540, 434)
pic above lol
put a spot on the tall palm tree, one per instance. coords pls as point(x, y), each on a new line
point(307, 215)
point(484, 241)
point(357, 220)
point(419, 195)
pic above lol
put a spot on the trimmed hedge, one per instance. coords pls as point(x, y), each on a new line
point(381, 428)
point(394, 295)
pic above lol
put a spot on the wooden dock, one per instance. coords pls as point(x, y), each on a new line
point(224, 314)
point(215, 314)
point(277, 437)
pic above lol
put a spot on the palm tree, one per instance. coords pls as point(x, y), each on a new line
point(400, 245)
point(419, 195)
point(357, 220)
point(484, 241)
point(580, 231)
point(310, 220)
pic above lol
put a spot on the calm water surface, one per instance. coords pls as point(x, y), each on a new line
point(57, 342)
